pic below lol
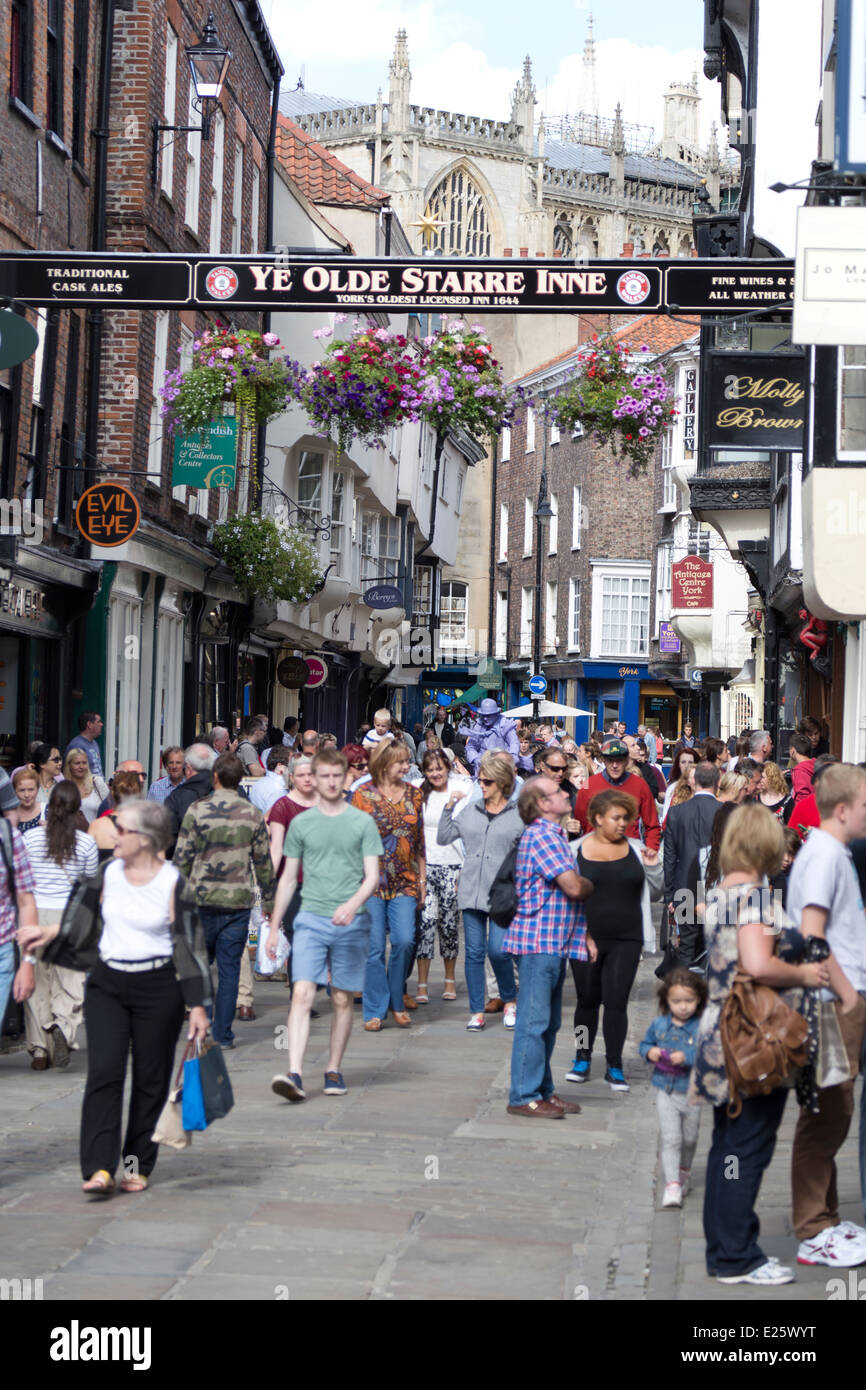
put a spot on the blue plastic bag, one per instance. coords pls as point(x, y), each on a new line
point(193, 1113)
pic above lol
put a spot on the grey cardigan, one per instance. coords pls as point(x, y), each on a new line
point(486, 841)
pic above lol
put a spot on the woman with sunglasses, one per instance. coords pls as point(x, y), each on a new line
point(489, 829)
point(125, 786)
point(356, 773)
point(137, 919)
point(46, 763)
point(59, 855)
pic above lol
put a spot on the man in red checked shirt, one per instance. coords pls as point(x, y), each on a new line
point(614, 755)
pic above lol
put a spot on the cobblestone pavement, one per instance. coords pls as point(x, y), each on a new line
point(415, 1185)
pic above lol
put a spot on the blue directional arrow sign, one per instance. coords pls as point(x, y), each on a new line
point(538, 685)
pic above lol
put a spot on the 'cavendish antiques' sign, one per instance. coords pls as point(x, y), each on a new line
point(301, 279)
point(207, 458)
point(756, 401)
point(691, 583)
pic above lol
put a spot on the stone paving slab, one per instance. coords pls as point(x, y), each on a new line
point(415, 1186)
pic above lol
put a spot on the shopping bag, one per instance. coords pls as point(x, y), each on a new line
point(193, 1112)
point(831, 1065)
point(264, 964)
point(215, 1085)
point(169, 1127)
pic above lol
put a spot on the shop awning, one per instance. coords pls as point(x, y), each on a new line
point(471, 696)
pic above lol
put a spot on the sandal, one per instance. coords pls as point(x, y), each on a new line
point(134, 1183)
point(421, 995)
point(373, 1025)
point(450, 990)
point(100, 1185)
point(402, 1020)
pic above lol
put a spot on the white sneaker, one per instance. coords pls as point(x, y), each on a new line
point(767, 1274)
point(851, 1231)
point(476, 1022)
point(834, 1247)
point(509, 1018)
point(673, 1195)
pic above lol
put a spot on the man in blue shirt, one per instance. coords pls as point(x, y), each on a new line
point(89, 729)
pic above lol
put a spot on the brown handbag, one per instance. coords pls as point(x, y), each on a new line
point(764, 1040)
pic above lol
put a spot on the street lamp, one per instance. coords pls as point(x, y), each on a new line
point(543, 512)
point(208, 64)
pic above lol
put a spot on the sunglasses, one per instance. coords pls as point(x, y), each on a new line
point(125, 829)
point(557, 767)
point(487, 781)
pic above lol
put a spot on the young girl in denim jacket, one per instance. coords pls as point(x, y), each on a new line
point(670, 1045)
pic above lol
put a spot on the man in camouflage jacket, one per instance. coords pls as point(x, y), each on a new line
point(223, 849)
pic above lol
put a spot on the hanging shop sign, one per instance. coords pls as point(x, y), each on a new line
point(383, 596)
point(293, 672)
point(691, 583)
point(317, 672)
point(756, 400)
point(18, 339)
point(668, 640)
point(489, 673)
point(289, 279)
point(830, 290)
point(207, 458)
point(107, 514)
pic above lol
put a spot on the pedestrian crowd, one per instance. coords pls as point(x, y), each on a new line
point(125, 901)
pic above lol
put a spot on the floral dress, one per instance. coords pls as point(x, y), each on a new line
point(727, 911)
point(401, 826)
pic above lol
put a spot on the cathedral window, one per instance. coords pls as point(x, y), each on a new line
point(459, 207)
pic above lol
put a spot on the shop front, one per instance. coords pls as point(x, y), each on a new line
point(611, 692)
point(39, 667)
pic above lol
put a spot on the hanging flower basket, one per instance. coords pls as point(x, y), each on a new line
point(628, 410)
point(268, 561)
point(362, 387)
point(462, 384)
point(229, 367)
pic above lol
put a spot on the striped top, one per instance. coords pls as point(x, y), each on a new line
point(54, 881)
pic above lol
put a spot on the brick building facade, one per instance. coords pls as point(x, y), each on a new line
point(597, 562)
point(47, 580)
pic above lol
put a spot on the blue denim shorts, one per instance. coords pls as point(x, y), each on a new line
point(317, 943)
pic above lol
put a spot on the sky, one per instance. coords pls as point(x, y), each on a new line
point(461, 61)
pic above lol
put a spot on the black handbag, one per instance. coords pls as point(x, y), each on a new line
point(216, 1088)
point(502, 904)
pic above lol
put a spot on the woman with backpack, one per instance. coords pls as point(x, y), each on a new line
point(742, 936)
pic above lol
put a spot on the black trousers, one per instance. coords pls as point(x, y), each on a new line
point(145, 1009)
point(606, 981)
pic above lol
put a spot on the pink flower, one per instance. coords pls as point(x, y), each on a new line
point(227, 352)
point(270, 339)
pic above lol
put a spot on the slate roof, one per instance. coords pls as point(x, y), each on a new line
point(591, 159)
point(321, 177)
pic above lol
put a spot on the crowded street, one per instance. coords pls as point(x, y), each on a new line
point(418, 1186)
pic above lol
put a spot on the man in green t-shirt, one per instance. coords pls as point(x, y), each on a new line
point(339, 848)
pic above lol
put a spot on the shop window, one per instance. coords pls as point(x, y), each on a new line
point(338, 517)
point(453, 606)
point(311, 467)
point(422, 596)
point(852, 403)
point(621, 613)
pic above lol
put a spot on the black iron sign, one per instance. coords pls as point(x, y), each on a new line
point(313, 280)
point(757, 400)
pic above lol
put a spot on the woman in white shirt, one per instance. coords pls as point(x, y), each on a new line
point(140, 915)
point(440, 910)
point(59, 855)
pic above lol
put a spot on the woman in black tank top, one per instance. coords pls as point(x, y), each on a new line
point(614, 917)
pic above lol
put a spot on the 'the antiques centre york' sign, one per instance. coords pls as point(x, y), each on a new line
point(756, 401)
point(691, 583)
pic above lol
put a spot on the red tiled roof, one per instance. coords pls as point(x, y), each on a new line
point(320, 176)
point(658, 332)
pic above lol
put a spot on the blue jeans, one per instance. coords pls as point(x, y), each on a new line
point(383, 989)
point(731, 1226)
point(539, 1014)
point(7, 975)
point(481, 942)
point(226, 937)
